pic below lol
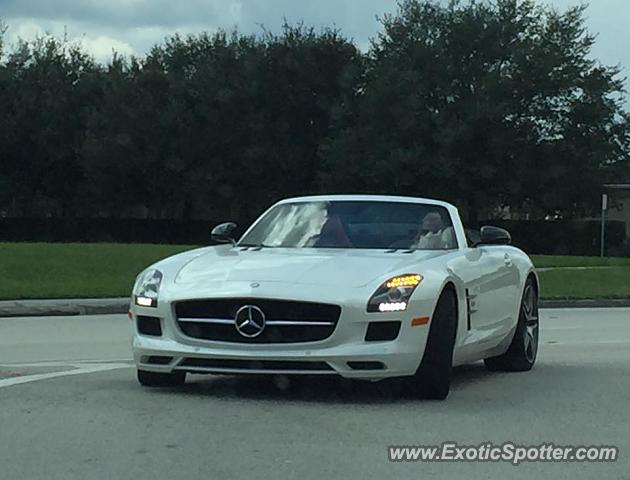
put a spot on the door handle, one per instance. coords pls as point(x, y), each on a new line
point(507, 259)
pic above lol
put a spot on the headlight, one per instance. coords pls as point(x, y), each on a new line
point(394, 294)
point(147, 288)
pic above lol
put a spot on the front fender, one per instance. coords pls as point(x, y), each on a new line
point(429, 291)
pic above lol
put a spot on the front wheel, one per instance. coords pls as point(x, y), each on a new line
point(521, 355)
point(433, 377)
point(157, 379)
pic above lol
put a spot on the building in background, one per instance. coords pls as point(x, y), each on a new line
point(619, 206)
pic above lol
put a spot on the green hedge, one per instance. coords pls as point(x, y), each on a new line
point(535, 237)
point(564, 237)
point(88, 230)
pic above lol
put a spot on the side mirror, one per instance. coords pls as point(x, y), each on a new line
point(223, 233)
point(494, 236)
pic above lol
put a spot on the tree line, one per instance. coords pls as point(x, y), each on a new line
point(490, 105)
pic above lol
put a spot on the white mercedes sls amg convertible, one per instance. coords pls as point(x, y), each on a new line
point(361, 286)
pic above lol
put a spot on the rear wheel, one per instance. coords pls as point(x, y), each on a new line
point(156, 379)
point(433, 377)
point(521, 355)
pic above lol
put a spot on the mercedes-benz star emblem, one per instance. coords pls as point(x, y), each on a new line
point(249, 321)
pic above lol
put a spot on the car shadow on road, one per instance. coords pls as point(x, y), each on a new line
point(318, 389)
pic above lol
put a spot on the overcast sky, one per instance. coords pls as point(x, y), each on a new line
point(133, 26)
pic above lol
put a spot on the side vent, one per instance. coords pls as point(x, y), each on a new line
point(468, 309)
point(471, 306)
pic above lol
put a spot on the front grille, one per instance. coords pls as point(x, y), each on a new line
point(245, 365)
point(286, 321)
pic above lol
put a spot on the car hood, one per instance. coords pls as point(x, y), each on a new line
point(354, 268)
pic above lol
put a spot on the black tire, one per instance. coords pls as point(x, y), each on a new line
point(433, 377)
point(155, 379)
point(521, 355)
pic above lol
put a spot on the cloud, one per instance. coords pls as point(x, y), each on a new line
point(103, 47)
point(26, 30)
point(126, 13)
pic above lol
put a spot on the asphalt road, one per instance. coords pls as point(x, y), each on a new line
point(70, 408)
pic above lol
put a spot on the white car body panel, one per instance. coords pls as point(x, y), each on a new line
point(489, 282)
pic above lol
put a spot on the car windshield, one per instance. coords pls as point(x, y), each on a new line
point(354, 224)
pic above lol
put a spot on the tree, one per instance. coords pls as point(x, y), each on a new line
point(131, 151)
point(5, 187)
point(217, 125)
point(301, 80)
point(486, 104)
point(47, 86)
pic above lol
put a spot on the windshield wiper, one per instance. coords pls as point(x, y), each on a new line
point(259, 246)
point(401, 250)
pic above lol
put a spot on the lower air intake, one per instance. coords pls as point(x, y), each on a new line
point(254, 365)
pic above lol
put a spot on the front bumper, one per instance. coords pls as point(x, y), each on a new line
point(399, 357)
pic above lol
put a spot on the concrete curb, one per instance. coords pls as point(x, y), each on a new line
point(65, 307)
point(586, 303)
point(105, 306)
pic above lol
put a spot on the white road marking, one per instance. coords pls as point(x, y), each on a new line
point(79, 370)
point(585, 342)
point(66, 363)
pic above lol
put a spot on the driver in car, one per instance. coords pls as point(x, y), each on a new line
point(433, 234)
